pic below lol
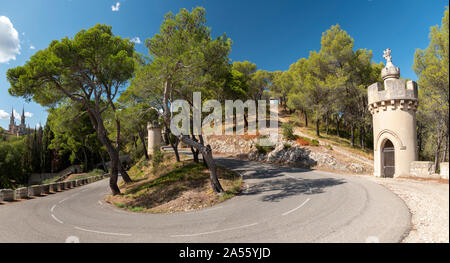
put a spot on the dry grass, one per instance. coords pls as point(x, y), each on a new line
point(173, 187)
point(327, 138)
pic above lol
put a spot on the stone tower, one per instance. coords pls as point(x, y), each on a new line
point(154, 136)
point(12, 122)
point(393, 107)
point(22, 127)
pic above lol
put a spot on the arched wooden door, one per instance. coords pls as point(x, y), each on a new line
point(388, 159)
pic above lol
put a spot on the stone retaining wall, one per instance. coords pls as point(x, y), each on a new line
point(7, 194)
point(55, 187)
point(34, 190)
point(444, 170)
point(422, 169)
point(38, 190)
point(21, 193)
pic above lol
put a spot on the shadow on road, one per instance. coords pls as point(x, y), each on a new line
point(280, 186)
point(287, 187)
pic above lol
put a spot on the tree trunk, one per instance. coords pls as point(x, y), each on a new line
point(338, 122)
point(438, 149)
point(194, 151)
point(317, 126)
point(142, 138)
point(114, 176)
point(103, 162)
point(245, 120)
point(175, 149)
point(362, 137)
point(444, 157)
point(122, 171)
point(207, 153)
point(202, 142)
point(114, 156)
point(113, 153)
point(352, 130)
point(85, 159)
point(326, 124)
point(306, 119)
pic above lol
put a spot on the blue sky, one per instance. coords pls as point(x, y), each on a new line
point(272, 34)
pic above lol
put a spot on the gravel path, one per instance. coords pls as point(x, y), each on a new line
point(428, 202)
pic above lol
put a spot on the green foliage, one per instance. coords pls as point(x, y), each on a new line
point(288, 131)
point(315, 142)
point(74, 135)
point(264, 149)
point(432, 67)
point(286, 145)
point(157, 157)
point(60, 70)
point(12, 170)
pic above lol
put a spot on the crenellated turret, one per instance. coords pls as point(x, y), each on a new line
point(393, 107)
point(395, 92)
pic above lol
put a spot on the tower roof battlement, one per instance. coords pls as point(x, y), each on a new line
point(394, 89)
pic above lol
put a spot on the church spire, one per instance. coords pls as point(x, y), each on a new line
point(22, 120)
point(11, 119)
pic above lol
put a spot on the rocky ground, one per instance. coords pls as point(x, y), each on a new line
point(291, 153)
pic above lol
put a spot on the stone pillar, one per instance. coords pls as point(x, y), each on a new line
point(154, 136)
point(444, 170)
point(7, 194)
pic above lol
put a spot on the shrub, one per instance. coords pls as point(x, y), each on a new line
point(303, 141)
point(315, 143)
point(288, 131)
point(286, 146)
point(95, 172)
point(157, 157)
point(264, 149)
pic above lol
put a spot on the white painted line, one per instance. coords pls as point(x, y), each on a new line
point(100, 232)
point(215, 231)
point(63, 200)
point(53, 208)
point(56, 219)
point(204, 210)
point(288, 212)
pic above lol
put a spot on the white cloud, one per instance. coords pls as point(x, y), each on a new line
point(136, 40)
point(4, 115)
point(28, 114)
point(32, 47)
point(9, 40)
point(115, 8)
point(16, 114)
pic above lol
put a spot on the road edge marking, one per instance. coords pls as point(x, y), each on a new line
point(298, 207)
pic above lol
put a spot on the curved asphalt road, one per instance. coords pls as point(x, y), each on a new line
point(279, 204)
